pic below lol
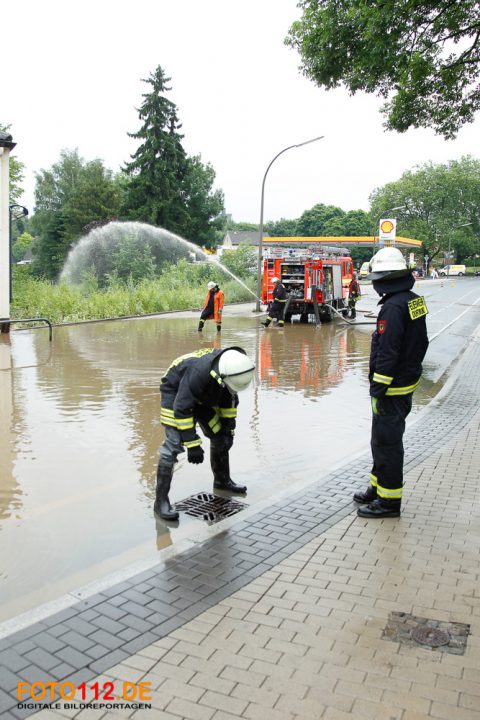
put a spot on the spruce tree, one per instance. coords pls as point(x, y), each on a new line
point(159, 165)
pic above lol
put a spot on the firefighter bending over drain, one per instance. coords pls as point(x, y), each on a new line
point(398, 347)
point(277, 308)
point(200, 387)
point(213, 308)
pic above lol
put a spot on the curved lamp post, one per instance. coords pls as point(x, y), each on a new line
point(260, 242)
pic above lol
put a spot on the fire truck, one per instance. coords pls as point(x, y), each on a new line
point(316, 281)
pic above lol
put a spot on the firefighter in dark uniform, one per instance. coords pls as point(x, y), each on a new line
point(277, 308)
point(354, 293)
point(200, 387)
point(399, 344)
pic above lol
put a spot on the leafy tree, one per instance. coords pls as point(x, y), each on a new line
point(424, 54)
point(52, 247)
point(242, 261)
point(16, 169)
point(437, 199)
point(69, 196)
point(22, 245)
point(204, 205)
point(130, 261)
point(282, 228)
point(232, 225)
point(356, 223)
point(321, 220)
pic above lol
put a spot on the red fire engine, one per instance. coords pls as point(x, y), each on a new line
point(315, 281)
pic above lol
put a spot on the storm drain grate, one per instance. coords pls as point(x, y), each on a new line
point(210, 507)
point(450, 637)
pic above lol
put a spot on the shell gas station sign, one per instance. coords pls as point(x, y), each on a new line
point(387, 231)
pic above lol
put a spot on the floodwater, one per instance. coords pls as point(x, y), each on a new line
point(81, 434)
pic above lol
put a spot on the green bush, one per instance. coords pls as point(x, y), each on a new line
point(179, 287)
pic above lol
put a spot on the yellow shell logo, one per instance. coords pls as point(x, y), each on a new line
point(386, 226)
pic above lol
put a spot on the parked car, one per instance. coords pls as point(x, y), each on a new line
point(457, 270)
point(364, 270)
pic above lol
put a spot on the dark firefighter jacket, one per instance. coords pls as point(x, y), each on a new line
point(191, 389)
point(279, 293)
point(215, 308)
point(400, 341)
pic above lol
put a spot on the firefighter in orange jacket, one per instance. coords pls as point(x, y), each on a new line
point(213, 308)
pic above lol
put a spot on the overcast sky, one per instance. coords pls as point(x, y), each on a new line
point(71, 78)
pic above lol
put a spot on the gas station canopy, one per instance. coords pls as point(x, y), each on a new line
point(356, 241)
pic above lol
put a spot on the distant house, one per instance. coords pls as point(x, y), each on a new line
point(234, 238)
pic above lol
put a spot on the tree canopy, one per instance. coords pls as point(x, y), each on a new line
point(69, 196)
point(423, 57)
point(439, 201)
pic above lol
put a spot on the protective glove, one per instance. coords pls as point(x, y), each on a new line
point(377, 409)
point(195, 455)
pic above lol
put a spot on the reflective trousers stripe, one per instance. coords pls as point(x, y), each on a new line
point(389, 494)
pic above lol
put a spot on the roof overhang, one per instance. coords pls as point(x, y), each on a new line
point(356, 241)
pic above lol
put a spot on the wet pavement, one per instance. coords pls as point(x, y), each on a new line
point(78, 458)
point(353, 572)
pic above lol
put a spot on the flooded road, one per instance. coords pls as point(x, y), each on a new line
point(81, 433)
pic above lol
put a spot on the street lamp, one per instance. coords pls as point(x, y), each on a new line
point(385, 212)
point(260, 243)
point(23, 213)
point(450, 242)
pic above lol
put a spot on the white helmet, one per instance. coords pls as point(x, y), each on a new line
point(235, 369)
point(211, 285)
point(274, 279)
point(387, 263)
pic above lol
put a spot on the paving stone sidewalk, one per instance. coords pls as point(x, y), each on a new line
point(284, 615)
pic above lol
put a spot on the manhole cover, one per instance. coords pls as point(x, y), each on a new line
point(210, 507)
point(433, 637)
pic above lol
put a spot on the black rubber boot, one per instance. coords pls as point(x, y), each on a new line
point(219, 328)
point(162, 504)
point(380, 509)
point(220, 465)
point(266, 323)
point(365, 496)
point(200, 325)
